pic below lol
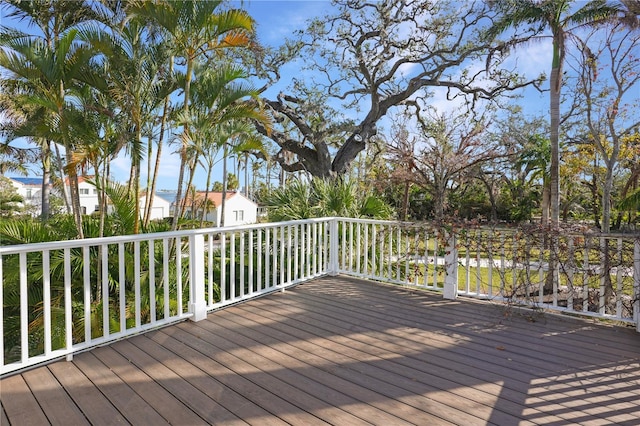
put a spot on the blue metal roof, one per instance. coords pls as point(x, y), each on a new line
point(28, 180)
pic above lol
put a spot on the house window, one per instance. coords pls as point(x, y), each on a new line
point(239, 215)
point(83, 191)
point(95, 191)
point(97, 209)
point(28, 193)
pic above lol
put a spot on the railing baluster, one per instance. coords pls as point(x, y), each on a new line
point(282, 251)
point(570, 270)
point(259, 260)
point(365, 268)
point(267, 257)
point(105, 290)
point(489, 254)
point(232, 266)
point(289, 276)
point(223, 267)
point(297, 270)
point(251, 274)
point(351, 247)
point(426, 259)
point(165, 277)
point(209, 270)
point(243, 292)
point(406, 260)
point(121, 289)
point(467, 284)
point(86, 267)
point(24, 309)
point(619, 280)
point(136, 275)
point(1, 313)
point(179, 276)
point(46, 301)
point(68, 315)
point(586, 275)
point(343, 246)
point(275, 263)
point(152, 281)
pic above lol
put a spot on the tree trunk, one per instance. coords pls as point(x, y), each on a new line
point(65, 194)
point(554, 175)
point(405, 201)
point(46, 181)
point(546, 199)
point(163, 123)
point(177, 214)
point(224, 183)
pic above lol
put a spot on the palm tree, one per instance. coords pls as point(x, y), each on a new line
point(195, 29)
point(53, 80)
point(53, 19)
point(133, 69)
point(228, 105)
point(562, 19)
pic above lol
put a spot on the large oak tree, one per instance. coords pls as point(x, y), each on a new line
point(371, 57)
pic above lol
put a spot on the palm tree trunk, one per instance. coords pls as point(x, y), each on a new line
point(183, 150)
point(554, 100)
point(205, 203)
point(46, 181)
point(65, 194)
point(223, 203)
point(246, 174)
point(163, 123)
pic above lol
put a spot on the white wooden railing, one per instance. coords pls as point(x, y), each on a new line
point(63, 297)
point(588, 274)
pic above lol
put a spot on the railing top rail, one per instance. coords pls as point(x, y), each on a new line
point(90, 242)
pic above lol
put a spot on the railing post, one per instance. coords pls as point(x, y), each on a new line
point(197, 299)
point(636, 284)
point(450, 290)
point(333, 249)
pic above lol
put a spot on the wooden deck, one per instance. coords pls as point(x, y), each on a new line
point(345, 352)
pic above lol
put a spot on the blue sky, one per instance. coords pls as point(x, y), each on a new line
point(277, 20)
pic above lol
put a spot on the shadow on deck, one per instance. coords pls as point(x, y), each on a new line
point(346, 352)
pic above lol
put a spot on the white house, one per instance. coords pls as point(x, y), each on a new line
point(88, 195)
point(162, 204)
point(30, 189)
point(239, 210)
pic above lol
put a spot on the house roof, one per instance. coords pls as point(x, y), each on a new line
point(28, 180)
point(215, 197)
point(80, 179)
point(169, 196)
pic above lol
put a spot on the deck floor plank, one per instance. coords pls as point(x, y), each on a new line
point(135, 409)
point(4, 419)
point(162, 400)
point(384, 365)
point(344, 351)
point(199, 352)
point(357, 397)
point(284, 381)
point(521, 355)
point(96, 407)
point(21, 406)
point(58, 407)
point(235, 403)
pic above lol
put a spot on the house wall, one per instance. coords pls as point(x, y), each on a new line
point(239, 210)
point(88, 198)
point(31, 194)
point(159, 210)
